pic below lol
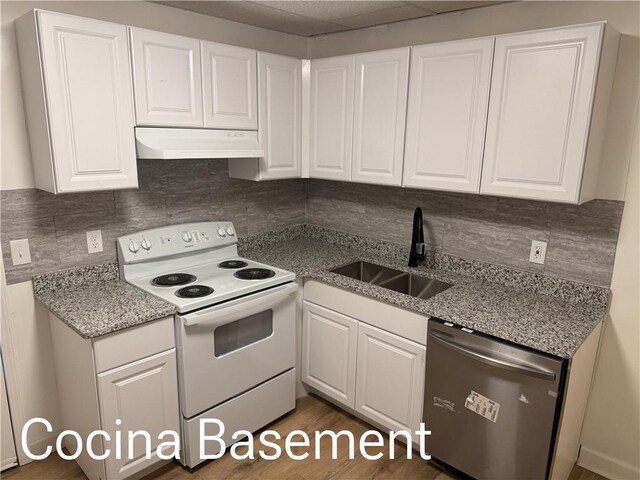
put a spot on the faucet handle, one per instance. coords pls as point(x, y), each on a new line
point(420, 249)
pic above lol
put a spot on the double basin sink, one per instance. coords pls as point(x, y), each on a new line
point(397, 280)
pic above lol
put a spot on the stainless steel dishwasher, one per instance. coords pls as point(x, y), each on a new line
point(491, 406)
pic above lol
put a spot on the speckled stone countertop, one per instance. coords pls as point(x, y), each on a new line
point(93, 301)
point(556, 323)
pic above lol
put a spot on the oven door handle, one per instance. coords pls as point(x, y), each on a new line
point(240, 308)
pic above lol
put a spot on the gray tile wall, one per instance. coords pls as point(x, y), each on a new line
point(170, 192)
point(581, 239)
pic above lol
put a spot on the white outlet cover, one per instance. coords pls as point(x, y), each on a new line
point(94, 241)
point(20, 253)
point(538, 252)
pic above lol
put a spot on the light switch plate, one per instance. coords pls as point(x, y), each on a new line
point(94, 241)
point(538, 251)
point(20, 253)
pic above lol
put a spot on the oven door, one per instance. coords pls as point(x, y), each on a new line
point(230, 348)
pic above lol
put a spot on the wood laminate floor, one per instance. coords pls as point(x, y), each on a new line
point(311, 414)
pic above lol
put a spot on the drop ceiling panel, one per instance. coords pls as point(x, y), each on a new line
point(260, 16)
point(379, 17)
point(452, 5)
point(329, 10)
point(310, 18)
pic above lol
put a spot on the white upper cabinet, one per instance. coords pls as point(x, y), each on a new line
point(77, 93)
point(447, 114)
point(540, 113)
point(280, 119)
point(229, 87)
point(331, 122)
point(379, 116)
point(167, 79)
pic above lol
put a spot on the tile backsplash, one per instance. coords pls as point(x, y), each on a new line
point(581, 239)
point(170, 192)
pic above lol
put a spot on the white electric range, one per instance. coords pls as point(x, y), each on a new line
point(235, 327)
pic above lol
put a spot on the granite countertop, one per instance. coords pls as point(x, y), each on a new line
point(557, 326)
point(550, 315)
point(93, 301)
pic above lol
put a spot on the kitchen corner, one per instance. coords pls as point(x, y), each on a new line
point(314, 239)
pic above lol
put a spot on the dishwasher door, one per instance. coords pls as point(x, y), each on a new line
point(491, 406)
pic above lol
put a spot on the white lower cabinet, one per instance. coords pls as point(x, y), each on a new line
point(329, 352)
point(142, 395)
point(389, 378)
point(375, 373)
point(121, 382)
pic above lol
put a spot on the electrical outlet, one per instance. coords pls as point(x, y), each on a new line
point(538, 252)
point(20, 253)
point(94, 241)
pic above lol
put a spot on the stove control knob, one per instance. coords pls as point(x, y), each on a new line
point(230, 232)
point(146, 244)
point(222, 232)
point(186, 236)
point(134, 247)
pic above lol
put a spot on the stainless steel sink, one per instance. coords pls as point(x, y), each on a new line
point(397, 280)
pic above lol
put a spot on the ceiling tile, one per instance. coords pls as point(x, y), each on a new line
point(444, 6)
point(258, 15)
point(309, 18)
point(380, 17)
point(330, 10)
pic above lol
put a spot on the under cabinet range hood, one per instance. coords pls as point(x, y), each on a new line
point(170, 143)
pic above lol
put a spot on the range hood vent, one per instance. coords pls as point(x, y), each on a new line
point(169, 143)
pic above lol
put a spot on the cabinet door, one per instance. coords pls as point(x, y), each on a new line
point(379, 118)
point(229, 87)
point(167, 80)
point(390, 379)
point(539, 113)
point(331, 123)
point(447, 115)
point(144, 396)
point(329, 352)
point(87, 76)
point(280, 86)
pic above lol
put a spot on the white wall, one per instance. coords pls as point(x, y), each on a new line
point(611, 434)
point(26, 336)
point(610, 440)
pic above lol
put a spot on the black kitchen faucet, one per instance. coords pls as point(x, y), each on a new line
point(417, 239)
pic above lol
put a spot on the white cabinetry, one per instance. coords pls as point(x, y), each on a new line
point(167, 79)
point(331, 122)
point(542, 113)
point(229, 87)
point(185, 82)
point(143, 396)
point(447, 114)
point(280, 119)
point(77, 92)
point(377, 374)
point(389, 378)
point(329, 352)
point(379, 116)
point(129, 376)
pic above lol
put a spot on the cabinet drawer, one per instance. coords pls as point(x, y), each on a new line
point(133, 344)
